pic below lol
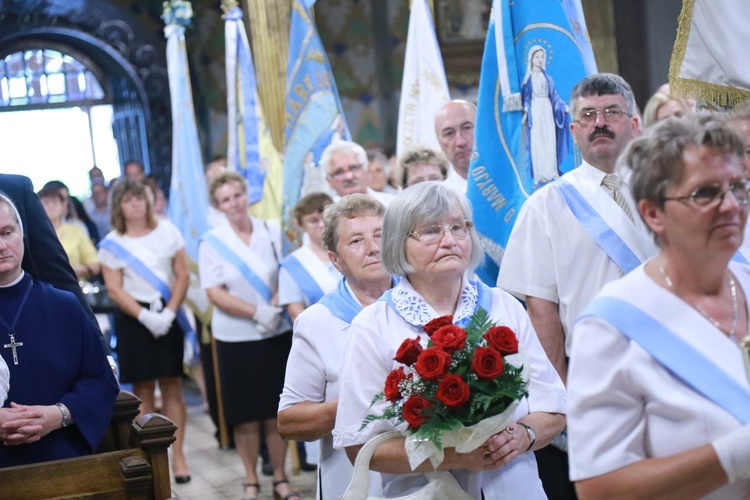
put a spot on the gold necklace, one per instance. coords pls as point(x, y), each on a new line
point(735, 313)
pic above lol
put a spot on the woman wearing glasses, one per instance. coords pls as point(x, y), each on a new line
point(659, 398)
point(428, 240)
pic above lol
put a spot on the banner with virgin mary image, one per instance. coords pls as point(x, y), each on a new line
point(532, 60)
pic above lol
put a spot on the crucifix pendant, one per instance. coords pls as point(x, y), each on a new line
point(13, 345)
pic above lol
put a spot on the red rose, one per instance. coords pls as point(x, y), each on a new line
point(433, 325)
point(503, 339)
point(433, 363)
point(453, 392)
point(487, 363)
point(408, 351)
point(451, 338)
point(412, 411)
point(392, 391)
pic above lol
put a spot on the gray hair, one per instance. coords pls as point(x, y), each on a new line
point(657, 157)
point(603, 84)
point(342, 147)
point(421, 204)
point(422, 154)
point(348, 207)
point(5, 199)
point(374, 155)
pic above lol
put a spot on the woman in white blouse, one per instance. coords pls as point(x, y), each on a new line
point(428, 238)
point(149, 341)
point(659, 397)
point(307, 273)
point(307, 411)
point(239, 269)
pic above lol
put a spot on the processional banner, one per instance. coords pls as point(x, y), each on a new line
point(531, 62)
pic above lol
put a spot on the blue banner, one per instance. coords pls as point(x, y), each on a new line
point(530, 65)
point(188, 196)
point(313, 116)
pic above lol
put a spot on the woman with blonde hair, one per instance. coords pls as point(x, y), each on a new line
point(239, 262)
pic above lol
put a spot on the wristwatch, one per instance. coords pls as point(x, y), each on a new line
point(65, 418)
point(531, 432)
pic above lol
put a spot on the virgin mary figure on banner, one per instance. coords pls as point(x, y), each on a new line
point(546, 127)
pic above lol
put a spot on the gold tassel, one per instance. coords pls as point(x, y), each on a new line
point(721, 95)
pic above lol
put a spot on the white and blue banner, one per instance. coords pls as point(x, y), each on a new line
point(243, 155)
point(313, 117)
point(424, 88)
point(188, 200)
point(532, 60)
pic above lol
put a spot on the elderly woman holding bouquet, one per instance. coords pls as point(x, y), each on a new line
point(415, 332)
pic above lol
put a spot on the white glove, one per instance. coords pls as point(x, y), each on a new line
point(166, 316)
point(734, 453)
point(268, 317)
point(154, 322)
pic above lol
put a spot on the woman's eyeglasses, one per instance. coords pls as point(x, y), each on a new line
point(434, 233)
point(712, 195)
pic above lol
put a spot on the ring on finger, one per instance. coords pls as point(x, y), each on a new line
point(509, 430)
point(487, 453)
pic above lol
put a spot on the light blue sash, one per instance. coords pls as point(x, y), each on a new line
point(607, 239)
point(739, 258)
point(484, 300)
point(230, 256)
point(341, 303)
point(147, 274)
point(683, 360)
point(303, 278)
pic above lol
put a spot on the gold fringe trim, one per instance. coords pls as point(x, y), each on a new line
point(720, 95)
point(680, 44)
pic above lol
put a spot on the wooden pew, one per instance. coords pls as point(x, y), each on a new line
point(132, 462)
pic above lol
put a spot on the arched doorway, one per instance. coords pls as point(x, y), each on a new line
point(124, 57)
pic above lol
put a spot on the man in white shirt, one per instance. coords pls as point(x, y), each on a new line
point(454, 127)
point(552, 259)
point(345, 164)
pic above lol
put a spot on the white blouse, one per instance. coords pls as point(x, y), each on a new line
point(155, 249)
point(376, 334)
point(625, 406)
point(216, 271)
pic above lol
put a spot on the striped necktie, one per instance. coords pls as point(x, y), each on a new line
point(612, 184)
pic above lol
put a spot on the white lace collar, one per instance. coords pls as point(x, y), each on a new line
point(415, 310)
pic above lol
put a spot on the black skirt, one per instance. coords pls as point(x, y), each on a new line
point(143, 358)
point(252, 377)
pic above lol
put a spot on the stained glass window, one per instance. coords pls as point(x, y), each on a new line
point(46, 76)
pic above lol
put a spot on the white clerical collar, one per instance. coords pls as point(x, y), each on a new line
point(15, 281)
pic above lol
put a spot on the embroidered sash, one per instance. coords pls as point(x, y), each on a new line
point(484, 300)
point(681, 359)
point(592, 222)
point(235, 260)
point(152, 279)
point(341, 303)
point(295, 266)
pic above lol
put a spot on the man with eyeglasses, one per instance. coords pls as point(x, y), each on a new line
point(345, 165)
point(577, 234)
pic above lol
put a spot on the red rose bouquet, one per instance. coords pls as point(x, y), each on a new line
point(460, 390)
